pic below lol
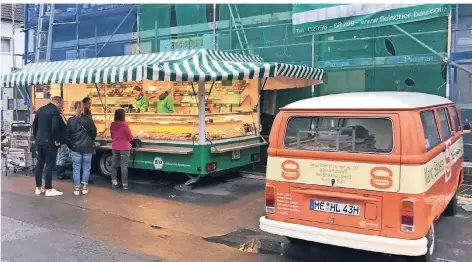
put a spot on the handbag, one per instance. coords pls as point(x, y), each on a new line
point(94, 152)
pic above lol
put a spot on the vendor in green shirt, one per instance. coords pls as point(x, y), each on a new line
point(141, 104)
point(165, 103)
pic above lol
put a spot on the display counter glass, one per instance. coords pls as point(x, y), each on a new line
point(230, 109)
point(156, 127)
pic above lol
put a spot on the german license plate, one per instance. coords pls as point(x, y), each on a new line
point(337, 208)
point(236, 155)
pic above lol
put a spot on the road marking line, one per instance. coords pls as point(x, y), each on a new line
point(462, 242)
point(253, 176)
point(445, 259)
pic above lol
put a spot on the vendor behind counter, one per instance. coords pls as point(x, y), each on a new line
point(141, 104)
point(165, 103)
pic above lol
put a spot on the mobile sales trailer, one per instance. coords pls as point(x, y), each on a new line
point(213, 93)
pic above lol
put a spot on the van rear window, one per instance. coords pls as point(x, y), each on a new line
point(347, 134)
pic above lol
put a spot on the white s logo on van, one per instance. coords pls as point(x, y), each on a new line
point(448, 174)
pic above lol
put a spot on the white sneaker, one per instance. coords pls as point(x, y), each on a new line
point(77, 191)
point(85, 191)
point(53, 193)
point(39, 191)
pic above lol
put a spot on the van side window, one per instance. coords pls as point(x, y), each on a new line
point(361, 135)
point(455, 117)
point(445, 122)
point(430, 128)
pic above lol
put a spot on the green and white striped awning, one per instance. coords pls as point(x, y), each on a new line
point(188, 65)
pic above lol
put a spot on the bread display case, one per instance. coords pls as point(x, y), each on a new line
point(159, 127)
point(229, 110)
point(220, 97)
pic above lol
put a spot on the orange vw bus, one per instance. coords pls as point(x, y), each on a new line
point(370, 171)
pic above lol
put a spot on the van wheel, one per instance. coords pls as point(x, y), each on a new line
point(104, 164)
point(452, 207)
point(428, 257)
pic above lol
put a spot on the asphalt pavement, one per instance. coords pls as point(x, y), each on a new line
point(157, 220)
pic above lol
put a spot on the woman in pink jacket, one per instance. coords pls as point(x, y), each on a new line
point(121, 136)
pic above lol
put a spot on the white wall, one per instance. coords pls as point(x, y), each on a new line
point(7, 58)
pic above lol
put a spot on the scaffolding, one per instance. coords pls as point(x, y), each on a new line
point(74, 31)
point(55, 32)
point(460, 80)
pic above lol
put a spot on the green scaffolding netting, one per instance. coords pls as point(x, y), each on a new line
point(363, 60)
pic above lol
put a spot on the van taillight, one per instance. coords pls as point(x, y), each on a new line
point(407, 216)
point(270, 199)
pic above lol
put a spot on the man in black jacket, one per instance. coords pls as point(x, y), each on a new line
point(49, 132)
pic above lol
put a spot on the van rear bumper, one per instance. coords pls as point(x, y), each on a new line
point(346, 239)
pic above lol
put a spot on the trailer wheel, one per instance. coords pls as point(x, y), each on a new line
point(104, 164)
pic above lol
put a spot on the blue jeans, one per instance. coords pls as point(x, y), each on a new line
point(79, 160)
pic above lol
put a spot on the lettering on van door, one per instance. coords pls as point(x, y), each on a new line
point(434, 170)
point(448, 174)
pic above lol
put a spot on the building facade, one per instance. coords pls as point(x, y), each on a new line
point(12, 37)
point(12, 50)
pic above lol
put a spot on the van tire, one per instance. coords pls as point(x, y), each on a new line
point(452, 207)
point(428, 257)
